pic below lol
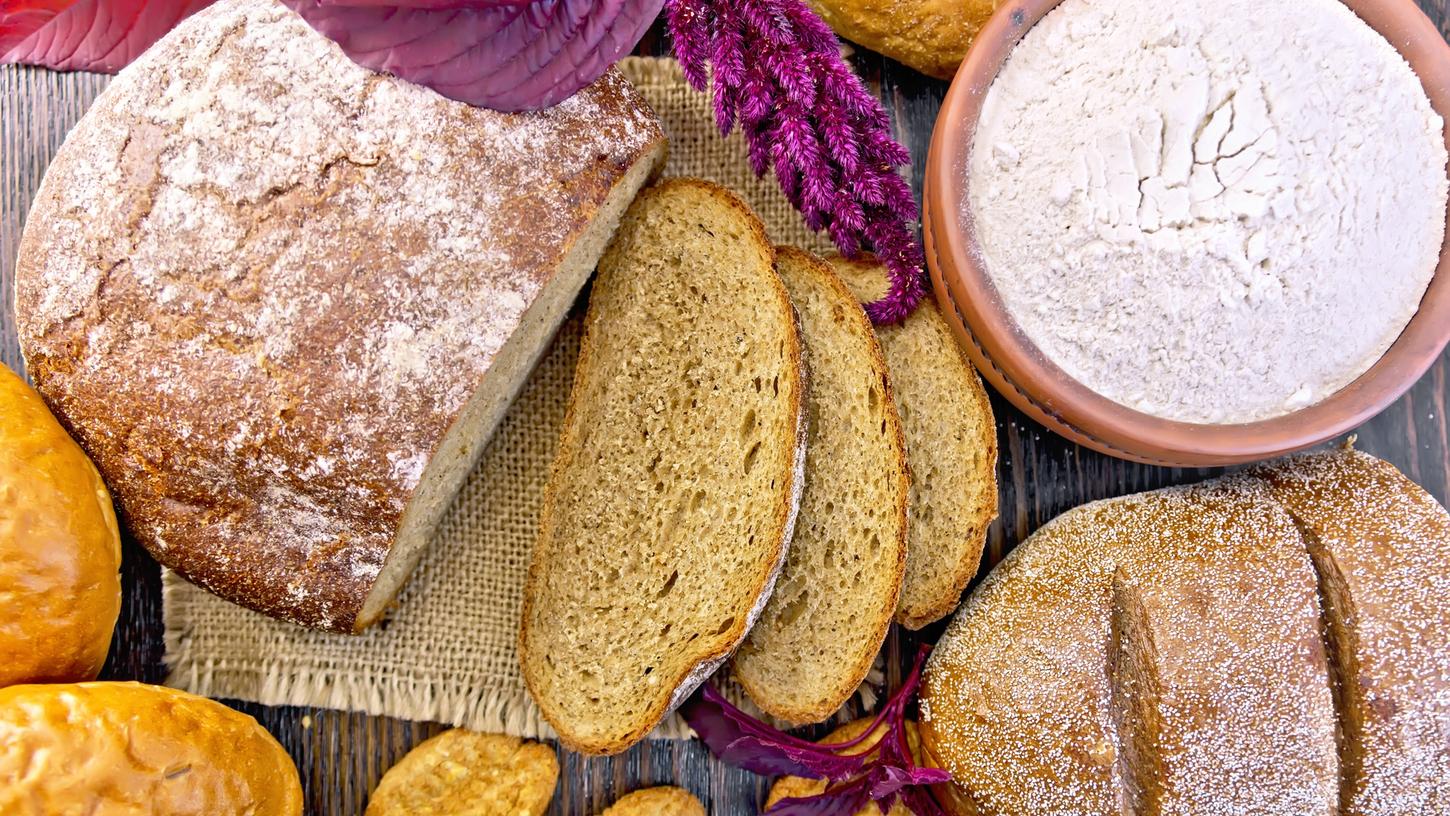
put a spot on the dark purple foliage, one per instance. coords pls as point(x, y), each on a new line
point(778, 76)
point(853, 780)
point(502, 54)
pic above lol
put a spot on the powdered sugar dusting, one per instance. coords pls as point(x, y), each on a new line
point(284, 275)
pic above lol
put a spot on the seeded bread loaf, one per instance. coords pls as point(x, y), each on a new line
point(1382, 548)
point(951, 450)
point(661, 801)
point(1164, 653)
point(130, 748)
point(282, 301)
point(818, 636)
point(674, 490)
point(465, 773)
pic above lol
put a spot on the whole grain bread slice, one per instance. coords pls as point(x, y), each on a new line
point(951, 447)
point(674, 490)
point(1381, 545)
point(833, 604)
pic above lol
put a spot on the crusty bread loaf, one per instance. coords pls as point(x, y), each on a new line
point(931, 36)
point(951, 448)
point(794, 787)
point(465, 773)
point(1382, 548)
point(60, 551)
point(817, 638)
point(674, 490)
point(661, 801)
point(106, 748)
point(1164, 653)
point(282, 300)
point(1195, 738)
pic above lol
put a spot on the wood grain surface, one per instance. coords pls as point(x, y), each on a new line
point(341, 755)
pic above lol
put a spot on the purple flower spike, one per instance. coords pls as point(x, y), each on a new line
point(778, 76)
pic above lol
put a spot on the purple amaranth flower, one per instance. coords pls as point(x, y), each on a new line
point(778, 76)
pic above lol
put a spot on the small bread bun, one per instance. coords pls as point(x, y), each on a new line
point(60, 551)
point(661, 801)
point(133, 748)
point(463, 773)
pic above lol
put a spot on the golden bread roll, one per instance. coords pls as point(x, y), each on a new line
point(794, 787)
point(931, 36)
point(60, 551)
point(662, 801)
point(464, 773)
point(129, 748)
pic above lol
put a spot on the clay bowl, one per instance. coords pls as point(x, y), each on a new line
point(1039, 388)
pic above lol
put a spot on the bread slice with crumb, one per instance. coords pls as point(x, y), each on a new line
point(1381, 546)
point(833, 604)
point(951, 447)
point(674, 490)
point(661, 801)
point(461, 772)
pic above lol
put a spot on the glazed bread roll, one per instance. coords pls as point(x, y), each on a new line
point(114, 748)
point(1165, 653)
point(59, 548)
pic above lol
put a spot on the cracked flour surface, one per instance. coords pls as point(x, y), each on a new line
point(1209, 210)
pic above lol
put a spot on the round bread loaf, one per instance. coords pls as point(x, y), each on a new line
point(134, 748)
point(462, 772)
point(1157, 653)
point(283, 301)
point(931, 36)
point(60, 551)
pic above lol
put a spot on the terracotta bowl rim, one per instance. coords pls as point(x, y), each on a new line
point(1044, 391)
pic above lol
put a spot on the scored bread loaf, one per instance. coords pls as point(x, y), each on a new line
point(674, 490)
point(951, 450)
point(817, 638)
point(1382, 548)
point(1165, 653)
point(283, 300)
point(1022, 706)
point(112, 748)
point(462, 773)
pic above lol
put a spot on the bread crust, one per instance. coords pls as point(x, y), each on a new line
point(917, 610)
point(60, 550)
point(465, 772)
point(715, 652)
point(881, 615)
point(132, 748)
point(262, 320)
point(931, 36)
point(661, 801)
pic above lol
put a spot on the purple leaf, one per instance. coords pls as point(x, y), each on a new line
point(86, 35)
point(842, 800)
point(499, 54)
point(776, 759)
point(718, 723)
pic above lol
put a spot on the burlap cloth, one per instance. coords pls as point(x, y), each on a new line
point(447, 652)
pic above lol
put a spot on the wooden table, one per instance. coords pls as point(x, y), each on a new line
point(341, 755)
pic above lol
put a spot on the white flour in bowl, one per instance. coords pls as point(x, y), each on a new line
point(1208, 210)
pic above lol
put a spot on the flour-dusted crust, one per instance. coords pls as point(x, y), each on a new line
point(261, 283)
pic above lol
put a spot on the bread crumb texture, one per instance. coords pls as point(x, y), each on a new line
point(674, 491)
point(465, 773)
point(260, 282)
point(1165, 653)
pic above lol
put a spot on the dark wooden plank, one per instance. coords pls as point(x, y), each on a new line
point(341, 755)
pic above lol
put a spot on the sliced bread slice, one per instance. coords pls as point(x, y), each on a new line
point(951, 447)
point(1220, 682)
point(1381, 545)
point(674, 490)
point(833, 604)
